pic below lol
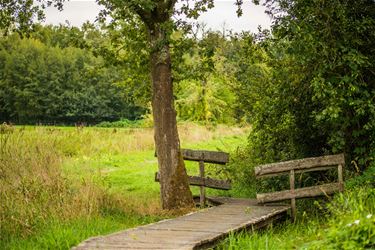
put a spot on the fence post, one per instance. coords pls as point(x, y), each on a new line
point(340, 177)
point(202, 187)
point(293, 200)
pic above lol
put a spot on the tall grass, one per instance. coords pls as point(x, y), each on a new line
point(49, 181)
point(95, 141)
point(34, 190)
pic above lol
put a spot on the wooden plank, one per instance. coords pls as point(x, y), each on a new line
point(321, 190)
point(216, 157)
point(298, 171)
point(207, 156)
point(302, 164)
point(207, 182)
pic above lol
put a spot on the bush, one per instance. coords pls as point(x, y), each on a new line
point(124, 123)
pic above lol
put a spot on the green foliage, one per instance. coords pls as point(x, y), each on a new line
point(338, 59)
point(204, 91)
point(308, 90)
point(20, 15)
point(40, 83)
point(124, 123)
point(354, 224)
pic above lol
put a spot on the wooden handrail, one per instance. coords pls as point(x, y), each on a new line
point(299, 166)
point(216, 157)
point(205, 182)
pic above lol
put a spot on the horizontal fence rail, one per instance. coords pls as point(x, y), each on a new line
point(321, 190)
point(302, 165)
point(206, 182)
point(206, 156)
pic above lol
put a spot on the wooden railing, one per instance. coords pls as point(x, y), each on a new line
point(203, 156)
point(300, 166)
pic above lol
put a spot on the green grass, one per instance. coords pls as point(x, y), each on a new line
point(103, 181)
point(133, 173)
point(64, 235)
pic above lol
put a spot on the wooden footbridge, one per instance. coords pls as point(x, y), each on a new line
point(197, 230)
point(204, 228)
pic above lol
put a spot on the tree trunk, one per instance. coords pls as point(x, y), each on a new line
point(174, 186)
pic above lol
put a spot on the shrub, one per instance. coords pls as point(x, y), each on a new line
point(124, 123)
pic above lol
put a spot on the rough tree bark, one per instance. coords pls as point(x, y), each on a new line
point(174, 186)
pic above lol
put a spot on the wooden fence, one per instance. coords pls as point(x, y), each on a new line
point(301, 166)
point(204, 156)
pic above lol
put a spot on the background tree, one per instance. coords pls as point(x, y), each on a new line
point(156, 17)
point(20, 15)
point(204, 89)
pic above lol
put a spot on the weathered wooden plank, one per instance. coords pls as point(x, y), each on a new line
point(206, 182)
point(302, 164)
point(144, 235)
point(206, 156)
point(314, 191)
point(216, 157)
point(297, 171)
point(130, 245)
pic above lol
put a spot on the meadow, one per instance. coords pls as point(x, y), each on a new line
point(61, 185)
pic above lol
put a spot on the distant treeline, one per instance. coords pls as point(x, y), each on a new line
point(54, 77)
point(67, 75)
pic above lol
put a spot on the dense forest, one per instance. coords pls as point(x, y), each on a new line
point(55, 77)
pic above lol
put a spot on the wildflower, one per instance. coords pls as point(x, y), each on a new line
point(356, 222)
point(369, 216)
point(349, 225)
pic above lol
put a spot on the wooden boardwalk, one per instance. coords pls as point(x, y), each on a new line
point(198, 230)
